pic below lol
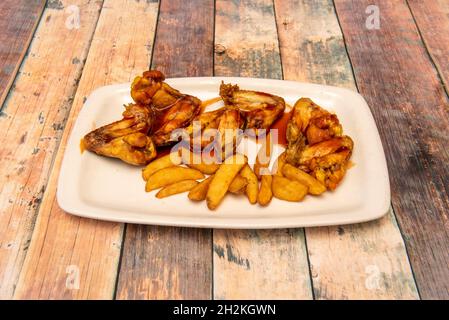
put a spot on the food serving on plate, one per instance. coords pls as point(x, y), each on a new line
point(203, 158)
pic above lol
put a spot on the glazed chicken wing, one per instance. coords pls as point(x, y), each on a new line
point(125, 139)
point(327, 160)
point(171, 109)
point(159, 110)
point(224, 122)
point(316, 143)
point(260, 110)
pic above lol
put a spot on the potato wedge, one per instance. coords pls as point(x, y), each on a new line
point(199, 192)
point(278, 164)
point(170, 175)
point(263, 157)
point(265, 193)
point(169, 160)
point(293, 173)
point(238, 185)
point(252, 189)
point(289, 190)
point(175, 188)
point(223, 178)
point(195, 162)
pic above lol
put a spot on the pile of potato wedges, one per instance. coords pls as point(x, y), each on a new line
point(176, 173)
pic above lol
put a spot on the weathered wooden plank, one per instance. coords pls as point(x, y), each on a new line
point(261, 264)
point(165, 263)
point(396, 76)
point(18, 20)
point(256, 264)
point(161, 262)
point(432, 20)
point(30, 128)
point(71, 257)
point(363, 261)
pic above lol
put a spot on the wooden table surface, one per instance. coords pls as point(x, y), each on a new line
point(54, 53)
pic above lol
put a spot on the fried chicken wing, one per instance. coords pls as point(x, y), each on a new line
point(225, 122)
point(176, 116)
point(315, 122)
point(125, 139)
point(316, 143)
point(159, 110)
point(260, 110)
point(327, 160)
point(144, 87)
point(172, 109)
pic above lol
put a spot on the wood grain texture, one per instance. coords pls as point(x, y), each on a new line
point(254, 264)
point(18, 20)
point(165, 262)
point(246, 43)
point(184, 39)
point(362, 261)
point(432, 19)
point(396, 76)
point(67, 251)
point(30, 126)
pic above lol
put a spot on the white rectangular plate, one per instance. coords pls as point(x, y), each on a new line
point(108, 189)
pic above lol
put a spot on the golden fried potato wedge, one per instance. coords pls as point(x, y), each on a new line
point(265, 193)
point(199, 192)
point(289, 190)
point(223, 178)
point(169, 160)
point(263, 157)
point(196, 162)
point(175, 188)
point(293, 173)
point(278, 164)
point(238, 185)
point(170, 175)
point(252, 189)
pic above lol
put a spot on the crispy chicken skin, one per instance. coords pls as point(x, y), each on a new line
point(144, 87)
point(171, 109)
point(158, 110)
point(176, 116)
point(226, 120)
point(260, 110)
point(315, 122)
point(327, 160)
point(125, 139)
point(316, 143)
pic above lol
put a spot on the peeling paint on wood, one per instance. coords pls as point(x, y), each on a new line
point(18, 21)
point(402, 87)
point(24, 130)
point(66, 248)
point(432, 19)
point(246, 40)
point(312, 50)
point(262, 264)
point(163, 262)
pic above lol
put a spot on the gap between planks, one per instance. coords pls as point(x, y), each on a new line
point(14, 41)
point(119, 50)
point(170, 262)
point(336, 271)
point(33, 119)
point(407, 99)
point(431, 19)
